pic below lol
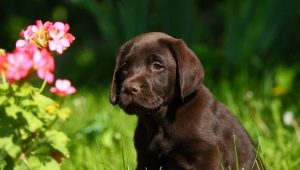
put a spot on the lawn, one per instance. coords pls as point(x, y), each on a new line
point(101, 134)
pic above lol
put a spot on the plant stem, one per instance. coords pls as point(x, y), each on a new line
point(297, 129)
point(43, 86)
point(3, 77)
point(123, 155)
point(236, 153)
point(220, 157)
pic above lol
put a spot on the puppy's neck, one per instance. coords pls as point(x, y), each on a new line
point(168, 113)
point(157, 117)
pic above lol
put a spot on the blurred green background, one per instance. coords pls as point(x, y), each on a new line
point(250, 50)
point(230, 35)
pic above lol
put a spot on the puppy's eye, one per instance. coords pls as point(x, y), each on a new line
point(157, 66)
point(124, 67)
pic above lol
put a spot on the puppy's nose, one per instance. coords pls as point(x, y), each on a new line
point(133, 88)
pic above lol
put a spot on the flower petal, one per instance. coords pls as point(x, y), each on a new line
point(21, 43)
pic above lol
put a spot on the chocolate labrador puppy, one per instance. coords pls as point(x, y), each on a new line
point(180, 124)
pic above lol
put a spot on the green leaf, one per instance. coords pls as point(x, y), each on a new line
point(11, 148)
point(3, 99)
point(45, 117)
point(28, 103)
point(2, 165)
point(42, 100)
point(24, 91)
point(58, 140)
point(33, 123)
point(12, 111)
point(41, 163)
point(14, 87)
point(11, 100)
point(64, 113)
point(47, 107)
point(42, 150)
point(4, 87)
point(46, 103)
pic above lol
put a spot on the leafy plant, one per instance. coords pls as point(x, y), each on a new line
point(27, 137)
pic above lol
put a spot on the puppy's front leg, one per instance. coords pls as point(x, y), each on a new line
point(146, 160)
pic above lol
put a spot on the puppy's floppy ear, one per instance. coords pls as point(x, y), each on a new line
point(189, 68)
point(115, 85)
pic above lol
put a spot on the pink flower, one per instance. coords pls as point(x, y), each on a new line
point(59, 45)
point(32, 53)
point(44, 64)
point(29, 32)
point(18, 65)
point(36, 34)
point(63, 88)
point(21, 43)
point(2, 60)
point(33, 30)
point(47, 35)
point(26, 48)
point(69, 37)
point(61, 39)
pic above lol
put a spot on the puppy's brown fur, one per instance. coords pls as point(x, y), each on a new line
point(180, 124)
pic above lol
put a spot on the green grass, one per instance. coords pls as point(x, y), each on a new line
point(101, 134)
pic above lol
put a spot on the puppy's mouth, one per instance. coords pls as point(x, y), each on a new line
point(146, 104)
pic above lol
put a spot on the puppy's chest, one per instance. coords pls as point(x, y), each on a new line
point(174, 151)
point(161, 143)
point(165, 143)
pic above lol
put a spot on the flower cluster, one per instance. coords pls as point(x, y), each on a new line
point(48, 35)
point(34, 53)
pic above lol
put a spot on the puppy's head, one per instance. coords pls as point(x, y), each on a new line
point(152, 69)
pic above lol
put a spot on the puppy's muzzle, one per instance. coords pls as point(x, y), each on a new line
point(132, 88)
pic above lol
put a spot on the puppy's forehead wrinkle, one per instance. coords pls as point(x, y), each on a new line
point(144, 47)
point(148, 51)
point(133, 47)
